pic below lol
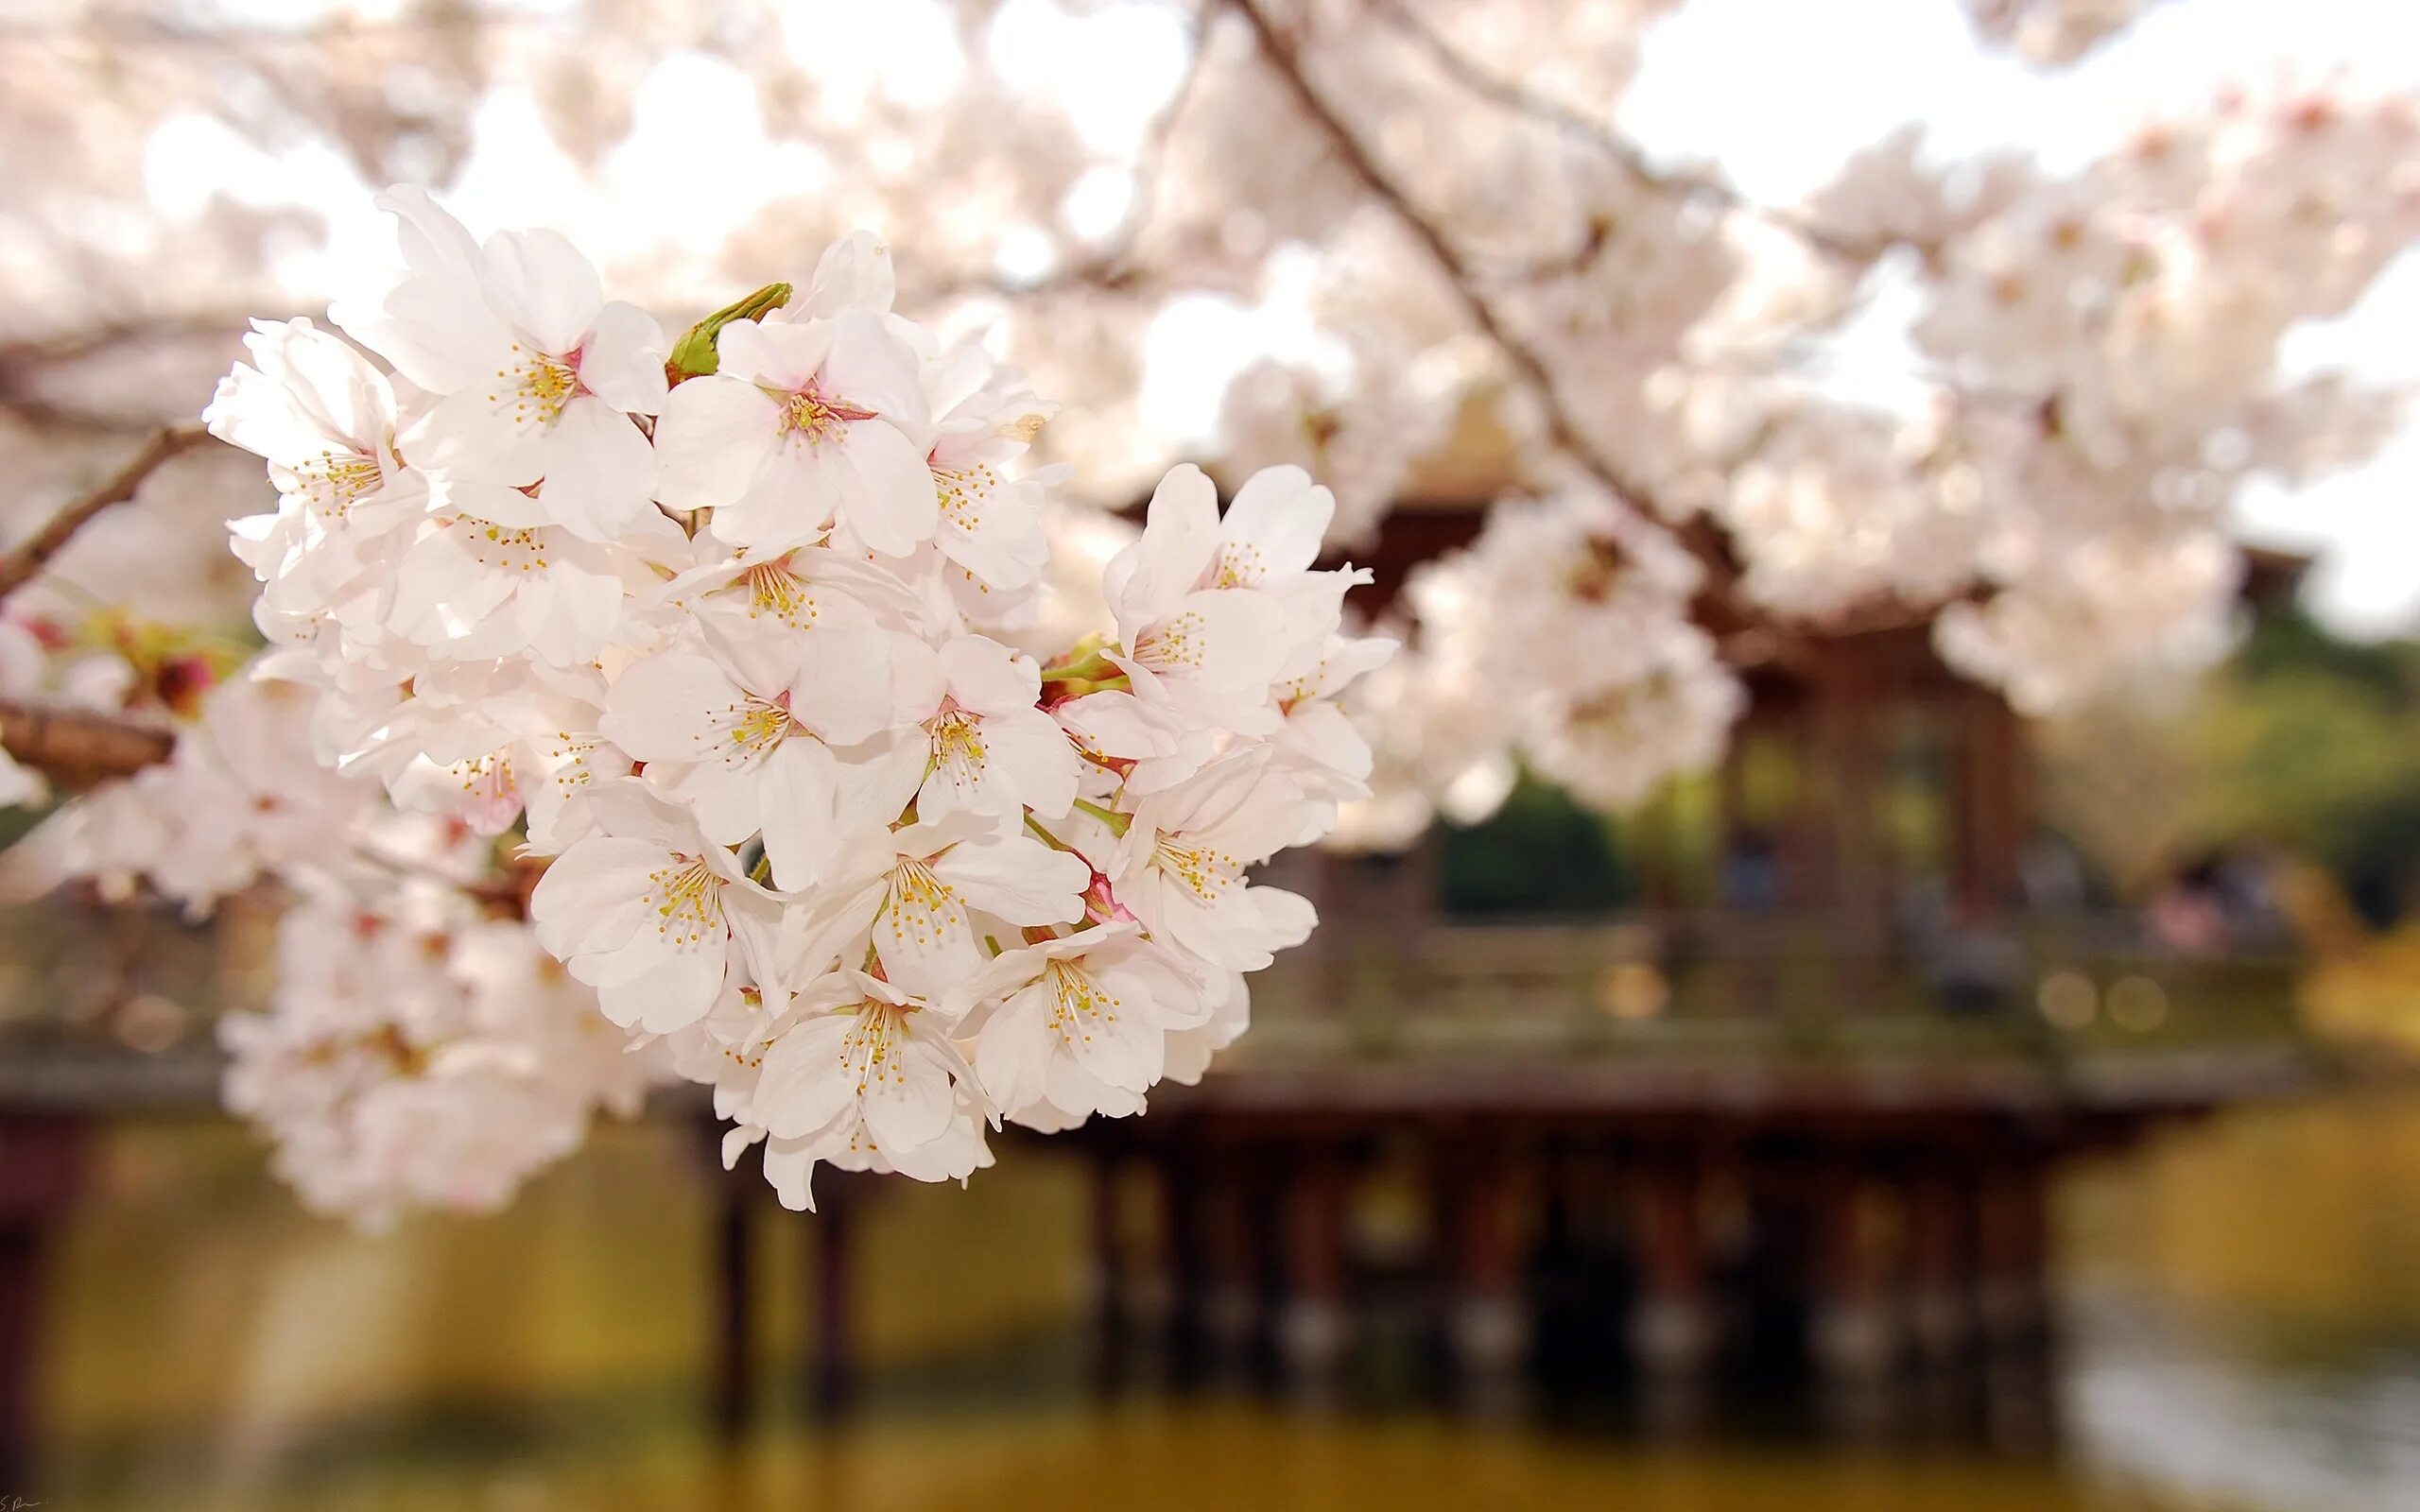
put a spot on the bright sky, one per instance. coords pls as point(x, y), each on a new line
point(1778, 93)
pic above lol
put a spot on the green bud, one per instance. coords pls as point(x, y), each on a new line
point(694, 355)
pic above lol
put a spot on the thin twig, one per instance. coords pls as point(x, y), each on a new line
point(21, 565)
point(80, 745)
point(1528, 364)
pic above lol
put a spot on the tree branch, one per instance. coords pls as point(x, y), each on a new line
point(80, 745)
point(21, 565)
point(1700, 534)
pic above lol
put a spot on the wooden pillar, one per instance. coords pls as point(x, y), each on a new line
point(1478, 1216)
point(41, 1168)
point(1852, 1336)
point(1941, 1261)
point(1671, 1329)
point(731, 1369)
point(1989, 799)
point(2014, 1238)
point(832, 1379)
point(1314, 1326)
point(1108, 1234)
point(1227, 1235)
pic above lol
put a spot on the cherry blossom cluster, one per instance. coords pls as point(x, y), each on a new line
point(1562, 634)
point(418, 1054)
point(724, 633)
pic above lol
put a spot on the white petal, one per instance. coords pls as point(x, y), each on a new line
point(1180, 541)
point(885, 489)
point(539, 284)
point(907, 1099)
point(781, 356)
point(661, 709)
point(599, 471)
point(804, 1083)
point(1282, 516)
point(622, 362)
point(1018, 877)
point(795, 804)
point(988, 678)
point(714, 437)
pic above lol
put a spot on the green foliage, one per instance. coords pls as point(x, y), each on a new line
point(1541, 853)
point(2313, 743)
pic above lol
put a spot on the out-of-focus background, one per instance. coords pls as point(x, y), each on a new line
point(1972, 1083)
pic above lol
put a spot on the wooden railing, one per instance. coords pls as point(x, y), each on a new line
point(1800, 981)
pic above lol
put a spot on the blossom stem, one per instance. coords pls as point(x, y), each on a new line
point(1046, 838)
point(1093, 666)
point(1117, 822)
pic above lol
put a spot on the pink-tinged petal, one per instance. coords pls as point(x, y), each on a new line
point(676, 990)
point(431, 240)
point(988, 678)
point(1116, 724)
point(1121, 1047)
point(435, 330)
point(1006, 547)
point(843, 689)
point(601, 472)
point(814, 937)
point(1287, 919)
point(622, 361)
point(871, 368)
point(587, 901)
point(853, 273)
point(907, 1099)
point(804, 1083)
point(586, 610)
point(714, 437)
point(328, 381)
point(1215, 795)
point(488, 502)
point(879, 779)
point(538, 283)
point(476, 434)
point(1020, 879)
point(790, 1169)
point(885, 489)
point(927, 943)
point(1013, 1053)
point(1276, 522)
point(784, 356)
point(1144, 581)
point(721, 797)
point(440, 591)
point(1030, 757)
point(663, 709)
point(790, 503)
point(796, 801)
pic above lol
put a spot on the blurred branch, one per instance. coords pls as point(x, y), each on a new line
point(82, 744)
point(23, 564)
point(1703, 538)
point(134, 331)
point(1117, 259)
point(1580, 128)
point(1114, 267)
